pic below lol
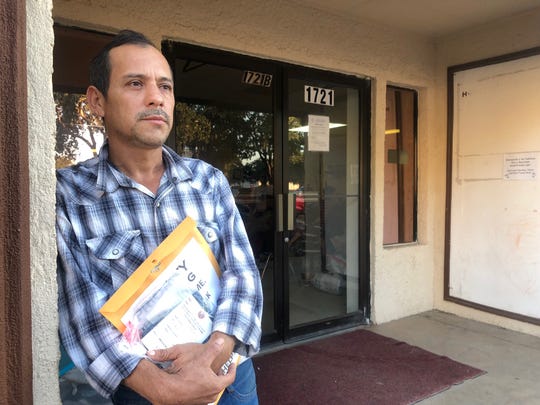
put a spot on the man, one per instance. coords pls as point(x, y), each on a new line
point(115, 209)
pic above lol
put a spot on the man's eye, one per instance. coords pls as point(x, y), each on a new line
point(135, 84)
point(166, 87)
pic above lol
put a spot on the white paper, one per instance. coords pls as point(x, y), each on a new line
point(318, 133)
point(188, 322)
point(521, 166)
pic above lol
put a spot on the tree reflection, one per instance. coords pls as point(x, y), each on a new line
point(76, 125)
point(238, 142)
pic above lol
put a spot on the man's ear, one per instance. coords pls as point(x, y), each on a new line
point(96, 101)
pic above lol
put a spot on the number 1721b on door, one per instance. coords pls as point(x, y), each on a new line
point(257, 78)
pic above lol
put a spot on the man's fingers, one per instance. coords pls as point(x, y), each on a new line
point(157, 355)
point(170, 353)
point(179, 354)
point(228, 378)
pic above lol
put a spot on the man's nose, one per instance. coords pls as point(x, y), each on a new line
point(154, 95)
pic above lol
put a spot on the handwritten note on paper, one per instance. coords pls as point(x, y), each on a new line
point(521, 166)
point(318, 133)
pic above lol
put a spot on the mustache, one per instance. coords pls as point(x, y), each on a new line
point(150, 113)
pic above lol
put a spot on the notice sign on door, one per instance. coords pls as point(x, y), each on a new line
point(318, 133)
point(521, 166)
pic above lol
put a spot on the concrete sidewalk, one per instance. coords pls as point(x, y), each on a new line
point(511, 359)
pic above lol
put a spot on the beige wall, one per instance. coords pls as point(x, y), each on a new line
point(406, 279)
point(510, 35)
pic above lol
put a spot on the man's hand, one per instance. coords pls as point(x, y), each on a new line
point(182, 354)
point(194, 383)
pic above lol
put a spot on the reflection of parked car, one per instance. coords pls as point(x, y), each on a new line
point(299, 202)
point(306, 197)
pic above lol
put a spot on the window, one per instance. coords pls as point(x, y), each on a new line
point(79, 134)
point(400, 166)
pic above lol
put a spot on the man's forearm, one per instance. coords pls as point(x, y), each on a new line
point(147, 380)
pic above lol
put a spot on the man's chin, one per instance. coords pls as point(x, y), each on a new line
point(154, 145)
point(150, 141)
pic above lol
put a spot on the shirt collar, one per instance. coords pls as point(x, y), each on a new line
point(109, 178)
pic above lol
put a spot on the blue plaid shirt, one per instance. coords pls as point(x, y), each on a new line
point(107, 224)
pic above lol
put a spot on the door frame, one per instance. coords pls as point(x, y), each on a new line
point(280, 72)
point(364, 115)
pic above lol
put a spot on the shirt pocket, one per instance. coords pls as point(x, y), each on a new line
point(114, 257)
point(211, 233)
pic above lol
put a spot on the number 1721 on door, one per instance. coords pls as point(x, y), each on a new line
point(318, 95)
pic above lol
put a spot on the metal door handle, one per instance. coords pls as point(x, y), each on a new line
point(279, 216)
point(290, 211)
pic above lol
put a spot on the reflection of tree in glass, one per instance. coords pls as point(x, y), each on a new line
point(234, 141)
point(75, 123)
point(296, 152)
point(238, 142)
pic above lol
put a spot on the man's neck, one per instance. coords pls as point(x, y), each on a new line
point(145, 166)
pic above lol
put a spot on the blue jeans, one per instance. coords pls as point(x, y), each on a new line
point(243, 391)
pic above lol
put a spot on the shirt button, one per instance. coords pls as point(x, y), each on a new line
point(115, 252)
point(158, 204)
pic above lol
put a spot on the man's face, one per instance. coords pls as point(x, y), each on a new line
point(138, 108)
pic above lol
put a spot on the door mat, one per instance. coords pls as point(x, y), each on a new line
point(359, 367)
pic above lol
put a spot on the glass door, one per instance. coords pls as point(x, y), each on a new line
point(225, 116)
point(323, 199)
point(290, 148)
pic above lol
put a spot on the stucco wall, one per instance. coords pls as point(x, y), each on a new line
point(510, 35)
point(41, 129)
point(401, 277)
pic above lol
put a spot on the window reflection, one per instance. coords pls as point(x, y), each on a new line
point(79, 133)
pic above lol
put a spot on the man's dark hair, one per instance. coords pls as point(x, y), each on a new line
point(100, 65)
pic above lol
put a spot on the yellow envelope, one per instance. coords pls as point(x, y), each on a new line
point(115, 308)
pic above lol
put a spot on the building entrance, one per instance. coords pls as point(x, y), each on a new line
point(293, 145)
